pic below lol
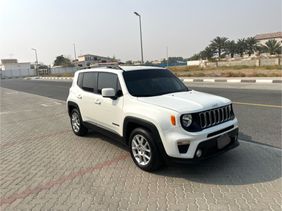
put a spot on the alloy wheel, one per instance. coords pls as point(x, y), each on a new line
point(141, 150)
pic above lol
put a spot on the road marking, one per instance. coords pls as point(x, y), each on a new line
point(256, 104)
point(261, 144)
point(14, 112)
point(10, 93)
point(51, 104)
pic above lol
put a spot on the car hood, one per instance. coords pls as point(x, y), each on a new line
point(191, 101)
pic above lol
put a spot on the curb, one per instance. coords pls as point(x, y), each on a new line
point(54, 78)
point(199, 80)
point(194, 80)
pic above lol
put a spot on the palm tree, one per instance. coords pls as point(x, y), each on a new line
point(272, 47)
point(231, 48)
point(218, 44)
point(241, 47)
point(251, 45)
point(208, 53)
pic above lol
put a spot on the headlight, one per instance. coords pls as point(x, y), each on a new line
point(186, 120)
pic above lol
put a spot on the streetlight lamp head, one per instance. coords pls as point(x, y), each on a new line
point(136, 13)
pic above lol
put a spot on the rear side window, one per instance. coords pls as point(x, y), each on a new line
point(79, 80)
point(107, 80)
point(89, 81)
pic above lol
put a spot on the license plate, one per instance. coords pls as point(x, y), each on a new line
point(223, 141)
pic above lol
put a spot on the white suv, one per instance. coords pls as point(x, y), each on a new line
point(153, 112)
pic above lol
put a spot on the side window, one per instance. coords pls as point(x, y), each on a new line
point(107, 80)
point(79, 80)
point(89, 81)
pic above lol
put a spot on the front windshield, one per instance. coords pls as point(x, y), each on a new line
point(153, 82)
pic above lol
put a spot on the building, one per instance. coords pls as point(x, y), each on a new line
point(263, 38)
point(89, 60)
point(11, 68)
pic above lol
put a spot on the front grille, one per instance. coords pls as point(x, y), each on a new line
point(215, 116)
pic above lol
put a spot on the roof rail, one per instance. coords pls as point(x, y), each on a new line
point(107, 65)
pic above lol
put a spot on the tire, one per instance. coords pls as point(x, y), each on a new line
point(144, 151)
point(77, 124)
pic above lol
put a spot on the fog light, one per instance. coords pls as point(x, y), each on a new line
point(199, 153)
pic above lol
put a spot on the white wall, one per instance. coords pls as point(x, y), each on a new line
point(262, 42)
point(196, 63)
point(59, 70)
point(15, 70)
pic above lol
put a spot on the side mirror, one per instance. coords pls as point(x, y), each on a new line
point(109, 92)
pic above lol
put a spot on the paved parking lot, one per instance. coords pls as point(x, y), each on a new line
point(44, 166)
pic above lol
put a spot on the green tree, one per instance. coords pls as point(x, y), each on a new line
point(208, 53)
point(129, 62)
point(241, 47)
point(231, 48)
point(272, 47)
point(251, 45)
point(194, 57)
point(219, 44)
point(62, 61)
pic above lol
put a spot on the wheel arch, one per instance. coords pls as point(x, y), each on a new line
point(130, 123)
point(71, 106)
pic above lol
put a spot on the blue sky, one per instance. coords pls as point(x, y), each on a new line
point(110, 28)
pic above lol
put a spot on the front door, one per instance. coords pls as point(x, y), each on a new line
point(110, 114)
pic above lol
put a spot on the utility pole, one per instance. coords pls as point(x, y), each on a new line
point(36, 61)
point(74, 51)
point(166, 56)
point(141, 42)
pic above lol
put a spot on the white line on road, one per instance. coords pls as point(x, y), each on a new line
point(10, 93)
point(261, 144)
point(14, 112)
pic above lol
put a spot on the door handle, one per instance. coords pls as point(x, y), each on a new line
point(98, 102)
point(79, 96)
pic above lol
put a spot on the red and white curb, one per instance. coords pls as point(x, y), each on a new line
point(200, 80)
point(193, 80)
point(50, 78)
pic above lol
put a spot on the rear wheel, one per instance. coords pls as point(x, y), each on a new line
point(77, 124)
point(143, 150)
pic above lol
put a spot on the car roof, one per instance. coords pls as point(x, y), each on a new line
point(120, 68)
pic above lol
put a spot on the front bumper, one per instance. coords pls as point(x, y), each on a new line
point(209, 148)
point(170, 141)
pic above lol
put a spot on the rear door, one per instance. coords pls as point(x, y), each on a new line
point(88, 95)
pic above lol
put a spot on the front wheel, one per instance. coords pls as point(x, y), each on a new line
point(77, 124)
point(143, 150)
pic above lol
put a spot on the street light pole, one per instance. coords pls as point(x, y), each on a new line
point(74, 51)
point(166, 56)
point(36, 61)
point(141, 42)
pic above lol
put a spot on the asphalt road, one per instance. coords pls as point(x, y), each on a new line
point(259, 111)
